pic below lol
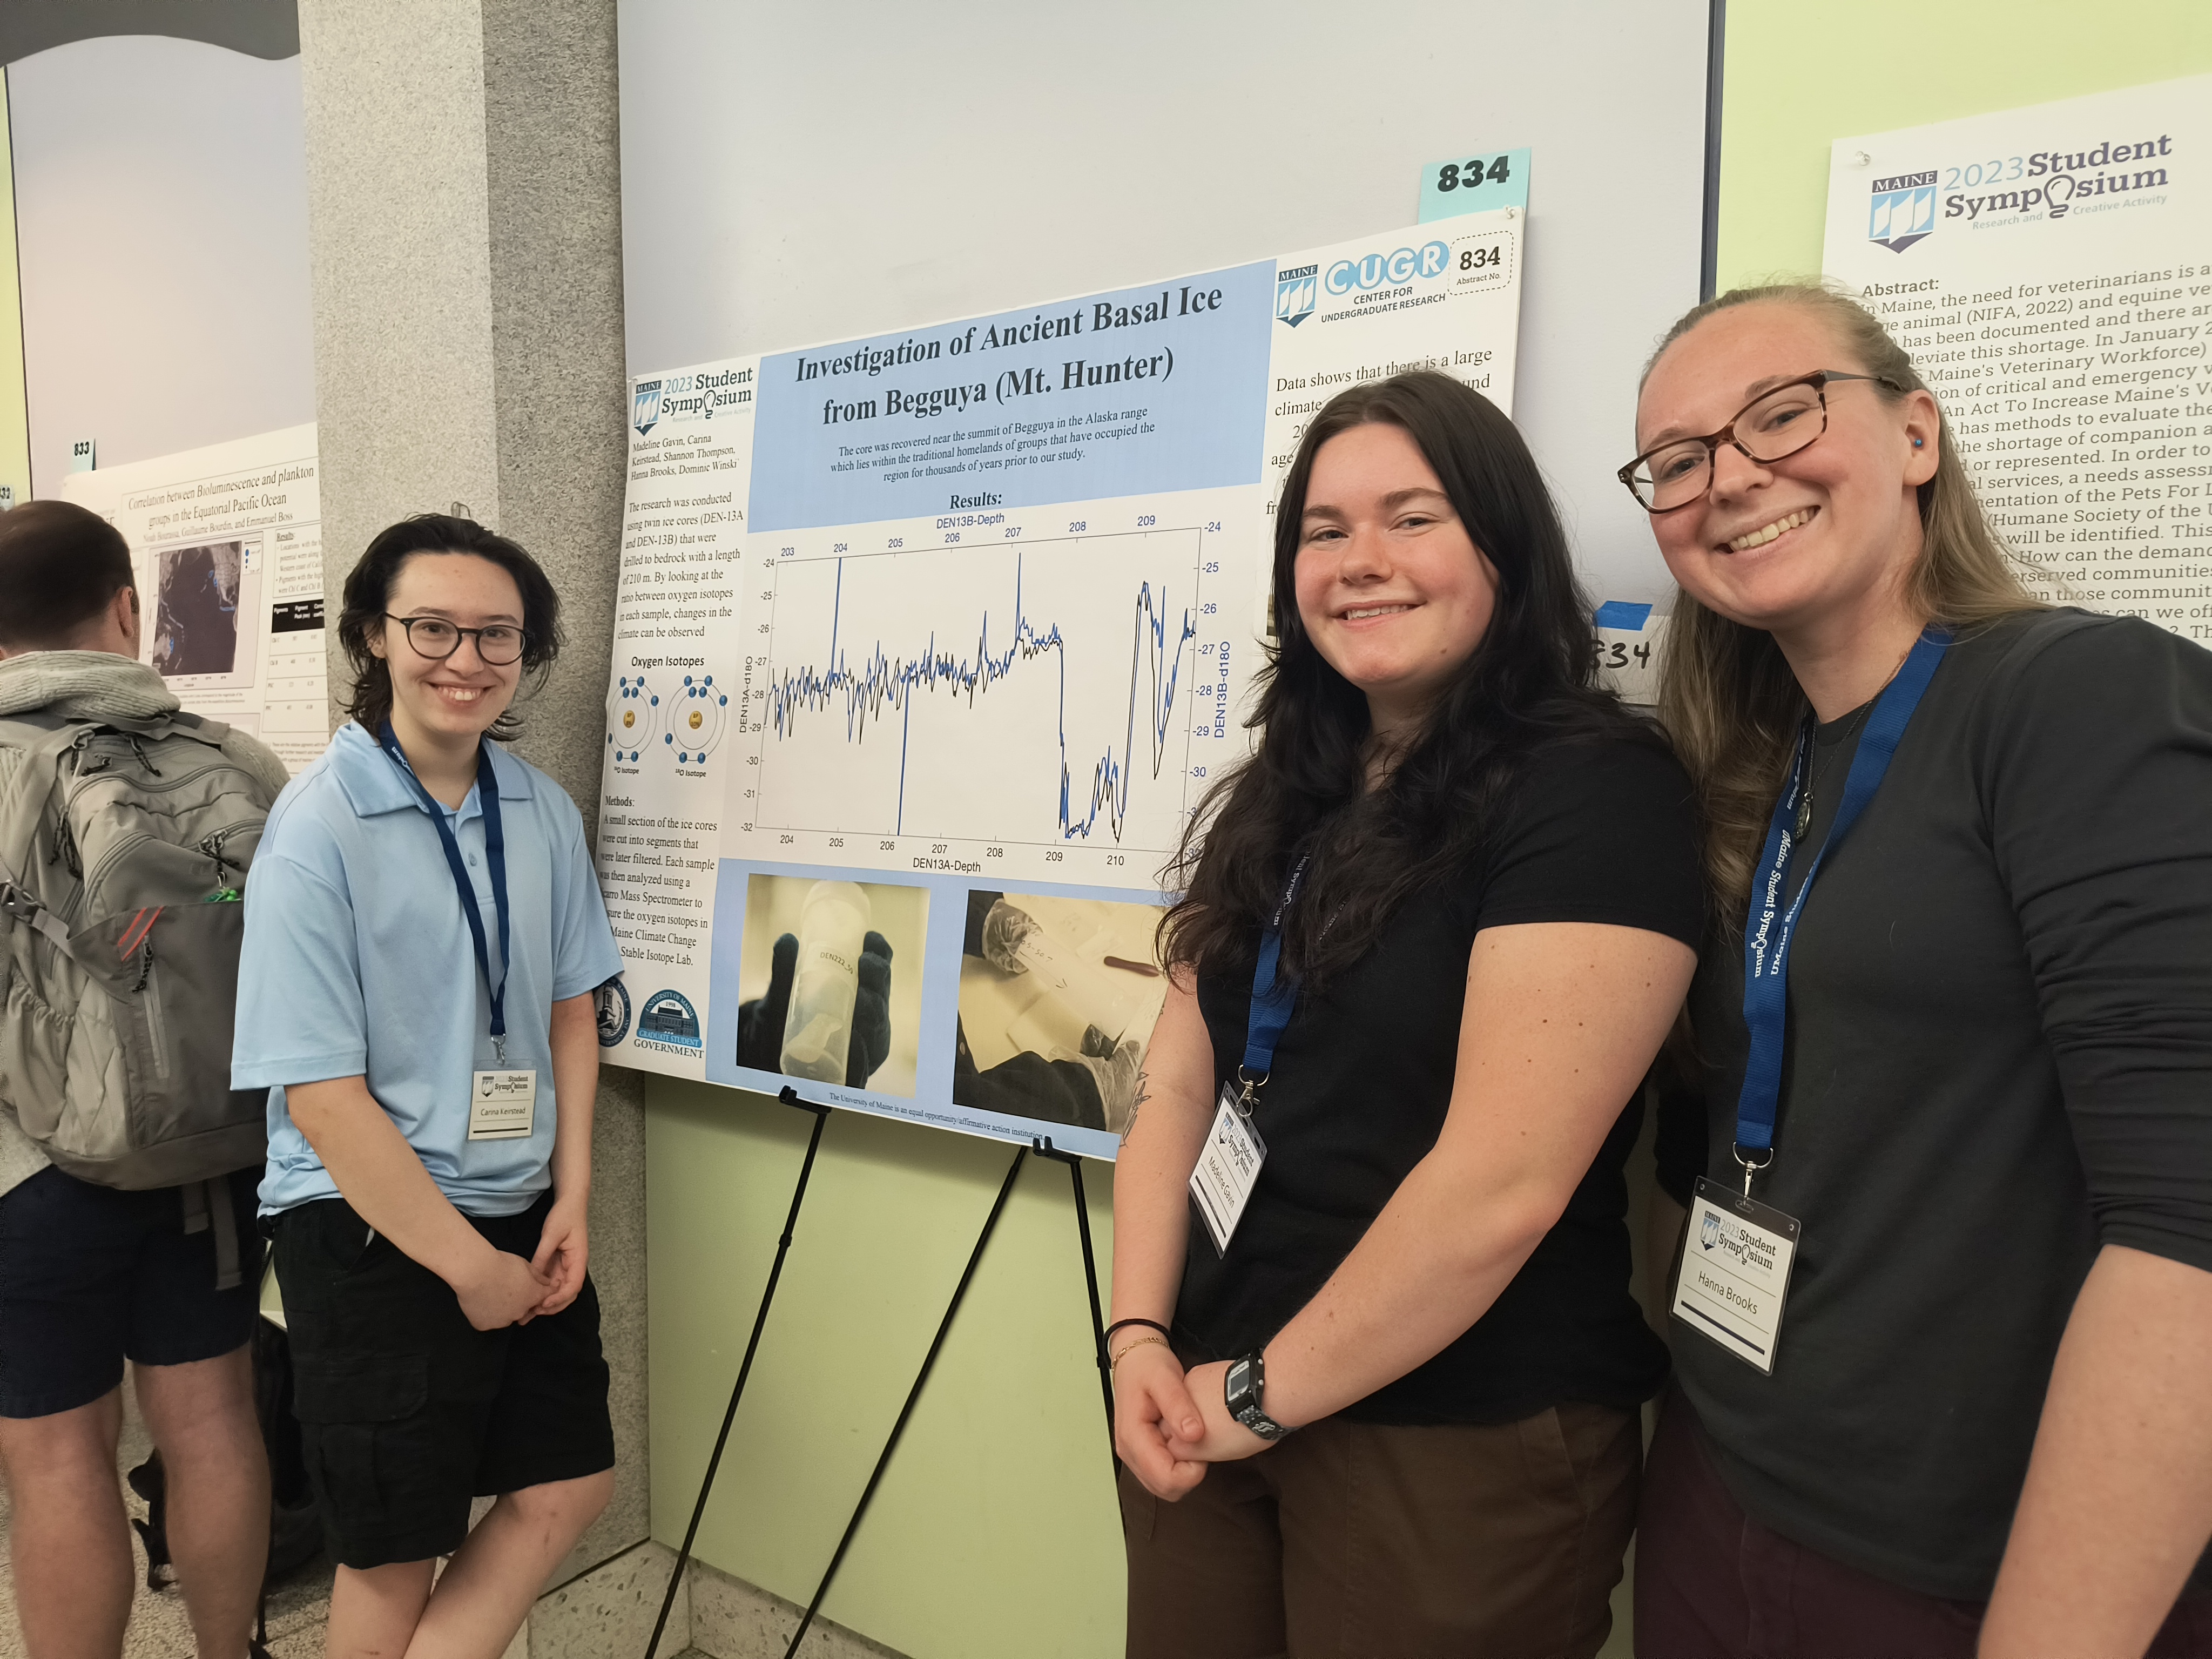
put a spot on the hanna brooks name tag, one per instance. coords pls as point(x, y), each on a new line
point(503, 1105)
point(1734, 1272)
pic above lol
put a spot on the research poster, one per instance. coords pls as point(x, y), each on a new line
point(227, 543)
point(2050, 269)
point(928, 644)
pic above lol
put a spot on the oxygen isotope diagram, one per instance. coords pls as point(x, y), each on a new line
point(697, 716)
point(633, 717)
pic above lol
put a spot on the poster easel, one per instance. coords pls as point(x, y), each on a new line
point(1042, 1148)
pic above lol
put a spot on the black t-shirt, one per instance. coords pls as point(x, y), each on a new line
point(1998, 1059)
point(1598, 831)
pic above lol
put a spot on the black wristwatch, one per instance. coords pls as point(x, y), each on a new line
point(1242, 1390)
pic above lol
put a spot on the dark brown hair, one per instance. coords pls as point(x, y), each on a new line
point(59, 566)
point(368, 595)
point(1531, 680)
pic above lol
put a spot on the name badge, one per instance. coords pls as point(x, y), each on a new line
point(1735, 1272)
point(503, 1105)
point(1228, 1168)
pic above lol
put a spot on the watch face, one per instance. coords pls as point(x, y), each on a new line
point(1239, 1379)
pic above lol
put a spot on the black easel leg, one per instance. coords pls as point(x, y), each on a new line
point(929, 1361)
point(790, 1097)
point(1044, 1148)
point(1097, 1318)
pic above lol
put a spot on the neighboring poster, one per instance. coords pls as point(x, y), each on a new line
point(2050, 269)
point(927, 645)
point(227, 545)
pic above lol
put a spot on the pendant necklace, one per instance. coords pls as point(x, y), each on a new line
point(1805, 801)
point(1819, 769)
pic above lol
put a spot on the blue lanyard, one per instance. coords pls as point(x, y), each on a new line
point(1274, 994)
point(494, 854)
point(1765, 945)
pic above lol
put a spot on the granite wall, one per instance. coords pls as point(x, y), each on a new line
point(465, 232)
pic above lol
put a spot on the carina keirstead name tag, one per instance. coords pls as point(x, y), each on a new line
point(1734, 1272)
point(503, 1105)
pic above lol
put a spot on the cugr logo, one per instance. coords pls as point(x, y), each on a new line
point(1374, 269)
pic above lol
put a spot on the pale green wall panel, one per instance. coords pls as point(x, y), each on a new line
point(995, 1532)
point(1802, 73)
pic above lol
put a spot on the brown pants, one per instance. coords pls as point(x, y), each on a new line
point(1713, 1584)
point(1350, 1538)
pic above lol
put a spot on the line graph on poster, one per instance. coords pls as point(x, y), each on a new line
point(1037, 700)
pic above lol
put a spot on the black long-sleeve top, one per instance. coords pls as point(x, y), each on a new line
point(1999, 1059)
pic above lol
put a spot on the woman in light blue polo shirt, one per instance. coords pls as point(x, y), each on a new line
point(422, 940)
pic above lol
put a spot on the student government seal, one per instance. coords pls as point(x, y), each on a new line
point(667, 1019)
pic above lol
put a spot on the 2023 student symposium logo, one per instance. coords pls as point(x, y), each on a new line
point(1745, 1246)
point(700, 396)
point(2038, 186)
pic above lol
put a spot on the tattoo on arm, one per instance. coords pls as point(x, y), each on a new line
point(1143, 1095)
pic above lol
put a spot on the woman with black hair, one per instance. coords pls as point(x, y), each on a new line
point(1434, 931)
point(423, 937)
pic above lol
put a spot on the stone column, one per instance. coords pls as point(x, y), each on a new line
point(465, 230)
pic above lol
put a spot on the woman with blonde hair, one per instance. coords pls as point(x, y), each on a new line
point(1943, 1322)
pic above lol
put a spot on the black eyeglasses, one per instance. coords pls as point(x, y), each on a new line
point(1773, 424)
point(498, 645)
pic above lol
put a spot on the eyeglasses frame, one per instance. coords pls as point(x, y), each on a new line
point(407, 626)
point(1818, 379)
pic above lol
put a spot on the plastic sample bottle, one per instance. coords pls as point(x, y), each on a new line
point(818, 1031)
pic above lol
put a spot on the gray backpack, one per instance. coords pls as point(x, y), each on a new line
point(122, 847)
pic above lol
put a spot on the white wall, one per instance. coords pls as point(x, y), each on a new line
point(161, 210)
point(797, 174)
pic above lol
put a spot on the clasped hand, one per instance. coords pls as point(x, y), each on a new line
point(1170, 1423)
point(502, 1289)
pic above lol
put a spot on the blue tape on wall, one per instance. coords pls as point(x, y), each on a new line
point(1621, 613)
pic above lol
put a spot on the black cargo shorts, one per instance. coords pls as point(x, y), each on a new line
point(407, 1411)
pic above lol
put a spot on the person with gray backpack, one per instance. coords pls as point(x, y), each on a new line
point(128, 1165)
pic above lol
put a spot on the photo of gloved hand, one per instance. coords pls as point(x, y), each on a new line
point(760, 1022)
point(1098, 1089)
point(1114, 1067)
point(1057, 1000)
point(1004, 927)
